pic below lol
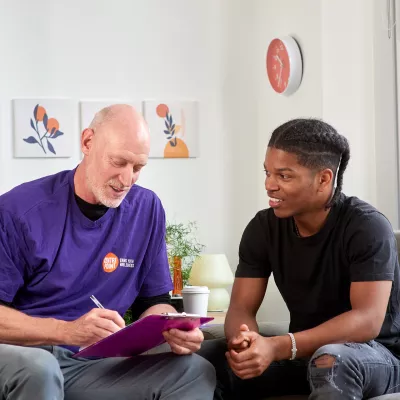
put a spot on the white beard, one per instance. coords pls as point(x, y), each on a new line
point(100, 195)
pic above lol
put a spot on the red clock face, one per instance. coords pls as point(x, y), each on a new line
point(278, 65)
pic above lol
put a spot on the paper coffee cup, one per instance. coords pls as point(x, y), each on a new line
point(195, 299)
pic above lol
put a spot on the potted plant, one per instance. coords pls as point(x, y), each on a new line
point(182, 248)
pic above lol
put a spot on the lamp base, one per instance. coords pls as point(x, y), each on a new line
point(218, 299)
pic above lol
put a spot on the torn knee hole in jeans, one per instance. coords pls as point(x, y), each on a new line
point(322, 371)
point(324, 361)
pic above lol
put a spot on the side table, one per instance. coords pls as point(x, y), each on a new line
point(219, 317)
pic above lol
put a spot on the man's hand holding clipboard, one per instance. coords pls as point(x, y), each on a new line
point(179, 330)
point(184, 342)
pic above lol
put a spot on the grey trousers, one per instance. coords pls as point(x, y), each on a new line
point(49, 373)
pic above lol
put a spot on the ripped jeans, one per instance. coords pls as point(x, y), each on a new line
point(359, 371)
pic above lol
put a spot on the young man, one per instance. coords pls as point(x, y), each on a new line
point(82, 232)
point(334, 260)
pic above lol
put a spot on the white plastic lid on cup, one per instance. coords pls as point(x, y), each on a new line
point(195, 289)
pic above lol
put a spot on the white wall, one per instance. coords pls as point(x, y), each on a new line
point(359, 97)
point(348, 89)
point(239, 90)
point(130, 50)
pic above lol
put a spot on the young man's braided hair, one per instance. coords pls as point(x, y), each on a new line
point(317, 145)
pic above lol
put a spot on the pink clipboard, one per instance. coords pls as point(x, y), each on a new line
point(141, 335)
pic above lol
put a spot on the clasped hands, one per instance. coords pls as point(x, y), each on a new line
point(249, 354)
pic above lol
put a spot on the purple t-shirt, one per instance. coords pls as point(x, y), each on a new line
point(52, 258)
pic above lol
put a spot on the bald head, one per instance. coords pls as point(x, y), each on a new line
point(120, 119)
point(116, 147)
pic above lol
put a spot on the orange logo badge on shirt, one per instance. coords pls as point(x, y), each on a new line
point(110, 262)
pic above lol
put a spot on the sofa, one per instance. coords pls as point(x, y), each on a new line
point(281, 328)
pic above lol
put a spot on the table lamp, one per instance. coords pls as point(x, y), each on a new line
point(213, 270)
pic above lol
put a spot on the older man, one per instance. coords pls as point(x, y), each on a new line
point(81, 232)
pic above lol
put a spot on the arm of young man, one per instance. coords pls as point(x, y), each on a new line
point(250, 283)
point(362, 323)
point(247, 296)
point(373, 257)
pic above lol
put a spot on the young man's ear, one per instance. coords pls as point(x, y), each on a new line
point(325, 179)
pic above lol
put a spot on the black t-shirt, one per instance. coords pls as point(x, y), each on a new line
point(313, 274)
point(91, 211)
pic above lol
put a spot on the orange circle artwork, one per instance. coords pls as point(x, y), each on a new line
point(162, 110)
point(180, 150)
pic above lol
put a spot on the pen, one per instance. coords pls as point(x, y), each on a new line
point(95, 301)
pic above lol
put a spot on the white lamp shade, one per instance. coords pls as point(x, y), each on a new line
point(211, 270)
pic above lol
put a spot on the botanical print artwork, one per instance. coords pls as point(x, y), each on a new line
point(175, 147)
point(173, 128)
point(44, 127)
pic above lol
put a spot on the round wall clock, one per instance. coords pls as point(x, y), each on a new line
point(284, 65)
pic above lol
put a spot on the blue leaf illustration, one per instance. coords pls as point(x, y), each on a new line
point(166, 132)
point(50, 147)
point(33, 124)
point(35, 111)
point(169, 137)
point(173, 127)
point(30, 139)
point(166, 124)
point(45, 119)
point(57, 134)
